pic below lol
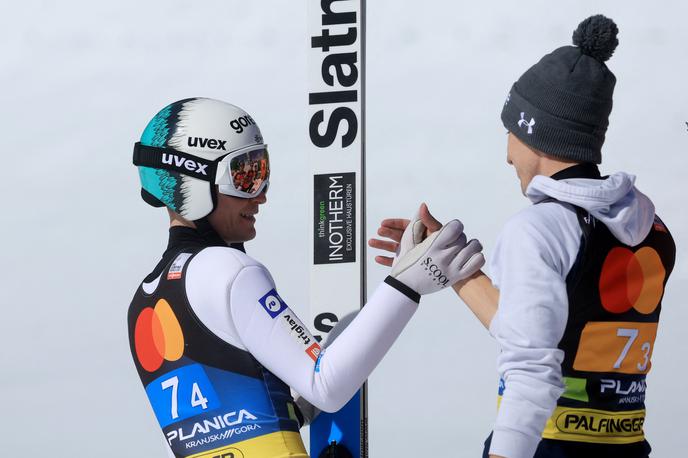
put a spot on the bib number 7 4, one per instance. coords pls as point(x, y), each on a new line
point(197, 398)
point(181, 394)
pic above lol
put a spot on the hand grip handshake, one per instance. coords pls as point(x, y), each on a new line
point(440, 260)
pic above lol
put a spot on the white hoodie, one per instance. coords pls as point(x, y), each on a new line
point(534, 253)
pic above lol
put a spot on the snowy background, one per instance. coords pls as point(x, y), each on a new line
point(81, 79)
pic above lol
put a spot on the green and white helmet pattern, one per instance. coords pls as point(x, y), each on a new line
point(206, 128)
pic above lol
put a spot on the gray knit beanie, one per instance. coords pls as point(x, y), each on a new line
point(561, 105)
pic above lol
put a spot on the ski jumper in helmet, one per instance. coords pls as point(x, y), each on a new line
point(216, 347)
point(194, 144)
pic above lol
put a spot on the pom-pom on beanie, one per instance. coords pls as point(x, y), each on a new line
point(561, 105)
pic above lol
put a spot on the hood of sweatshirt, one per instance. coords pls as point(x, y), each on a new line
point(614, 201)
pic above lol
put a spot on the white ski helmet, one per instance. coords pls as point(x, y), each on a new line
point(180, 155)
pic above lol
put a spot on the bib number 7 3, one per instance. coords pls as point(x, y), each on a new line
point(624, 347)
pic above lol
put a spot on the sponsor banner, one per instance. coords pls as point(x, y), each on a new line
point(241, 122)
point(274, 444)
point(209, 143)
point(632, 280)
point(158, 337)
point(205, 408)
point(597, 426)
point(606, 392)
point(272, 303)
point(175, 272)
point(435, 272)
point(336, 143)
point(297, 330)
point(628, 391)
point(334, 234)
point(623, 347)
point(225, 452)
point(576, 389)
point(314, 352)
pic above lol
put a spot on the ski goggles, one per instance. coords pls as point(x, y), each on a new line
point(242, 173)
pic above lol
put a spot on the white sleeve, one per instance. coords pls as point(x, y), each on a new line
point(278, 339)
point(532, 258)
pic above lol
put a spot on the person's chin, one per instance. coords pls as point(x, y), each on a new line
point(249, 234)
point(241, 238)
point(240, 233)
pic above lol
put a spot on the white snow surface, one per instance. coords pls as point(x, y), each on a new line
point(80, 80)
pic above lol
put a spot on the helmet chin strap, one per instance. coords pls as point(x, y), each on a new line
point(205, 229)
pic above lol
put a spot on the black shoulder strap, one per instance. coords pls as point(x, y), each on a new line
point(586, 221)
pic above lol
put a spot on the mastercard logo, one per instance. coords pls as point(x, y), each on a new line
point(632, 280)
point(158, 336)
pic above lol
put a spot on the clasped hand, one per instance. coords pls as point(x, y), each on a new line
point(428, 255)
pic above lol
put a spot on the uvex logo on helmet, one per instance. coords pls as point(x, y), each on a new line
point(435, 271)
point(207, 143)
point(202, 136)
point(189, 164)
point(239, 123)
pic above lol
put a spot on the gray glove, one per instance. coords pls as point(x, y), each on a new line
point(412, 236)
point(439, 261)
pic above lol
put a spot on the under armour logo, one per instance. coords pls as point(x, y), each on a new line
point(524, 123)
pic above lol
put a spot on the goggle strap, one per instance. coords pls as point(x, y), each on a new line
point(177, 161)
